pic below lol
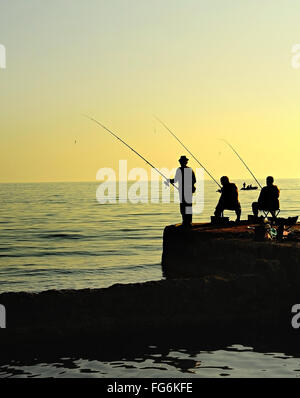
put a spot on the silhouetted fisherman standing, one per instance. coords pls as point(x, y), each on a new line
point(185, 177)
point(268, 199)
point(229, 199)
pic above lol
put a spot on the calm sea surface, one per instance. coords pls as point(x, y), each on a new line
point(57, 236)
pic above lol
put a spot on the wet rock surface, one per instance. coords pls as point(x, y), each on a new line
point(229, 250)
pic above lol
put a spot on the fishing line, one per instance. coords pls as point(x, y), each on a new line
point(167, 128)
point(132, 149)
point(242, 162)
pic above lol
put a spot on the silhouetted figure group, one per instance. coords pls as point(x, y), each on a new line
point(268, 200)
point(247, 186)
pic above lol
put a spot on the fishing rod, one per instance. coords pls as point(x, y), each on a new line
point(133, 150)
point(242, 162)
point(167, 128)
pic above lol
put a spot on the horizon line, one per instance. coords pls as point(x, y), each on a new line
point(98, 181)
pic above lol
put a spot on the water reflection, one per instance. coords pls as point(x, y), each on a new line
point(155, 361)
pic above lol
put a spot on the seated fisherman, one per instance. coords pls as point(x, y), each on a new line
point(229, 199)
point(268, 199)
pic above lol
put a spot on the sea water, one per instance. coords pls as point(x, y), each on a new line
point(57, 236)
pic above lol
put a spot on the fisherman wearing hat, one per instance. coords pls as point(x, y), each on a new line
point(185, 177)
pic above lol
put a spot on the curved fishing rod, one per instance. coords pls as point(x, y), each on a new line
point(242, 162)
point(166, 127)
point(133, 150)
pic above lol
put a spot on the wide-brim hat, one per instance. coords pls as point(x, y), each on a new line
point(183, 158)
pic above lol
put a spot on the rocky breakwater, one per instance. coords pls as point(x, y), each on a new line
point(218, 284)
point(230, 251)
point(164, 309)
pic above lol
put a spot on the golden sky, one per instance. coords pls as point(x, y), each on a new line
point(210, 70)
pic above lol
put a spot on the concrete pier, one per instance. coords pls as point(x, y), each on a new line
point(230, 250)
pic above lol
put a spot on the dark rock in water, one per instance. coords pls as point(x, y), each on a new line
point(164, 308)
point(215, 287)
point(229, 250)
